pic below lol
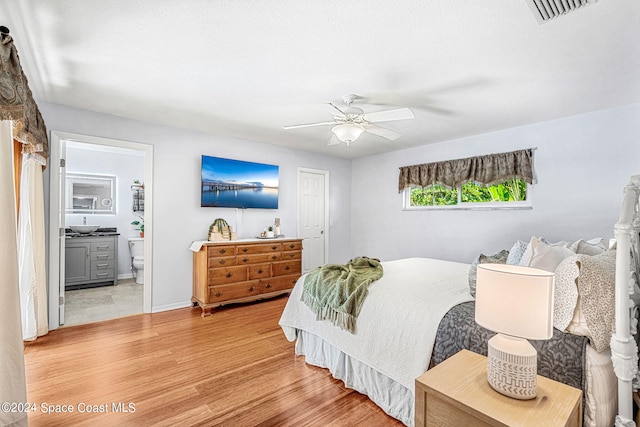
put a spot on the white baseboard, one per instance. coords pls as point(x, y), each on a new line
point(168, 307)
point(125, 276)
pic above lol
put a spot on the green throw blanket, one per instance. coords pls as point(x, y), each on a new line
point(335, 292)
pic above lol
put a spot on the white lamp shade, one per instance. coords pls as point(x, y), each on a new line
point(515, 300)
point(348, 132)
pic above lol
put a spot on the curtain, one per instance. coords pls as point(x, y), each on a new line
point(18, 106)
point(488, 169)
point(31, 251)
point(12, 375)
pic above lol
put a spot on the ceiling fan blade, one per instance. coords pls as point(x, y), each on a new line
point(389, 115)
point(331, 108)
point(334, 140)
point(385, 133)
point(306, 125)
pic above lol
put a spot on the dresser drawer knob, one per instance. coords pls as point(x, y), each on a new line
point(229, 275)
point(245, 259)
point(292, 246)
point(223, 251)
point(260, 271)
point(251, 289)
point(245, 249)
point(274, 247)
point(287, 267)
point(292, 255)
point(268, 285)
point(274, 257)
point(218, 293)
point(223, 261)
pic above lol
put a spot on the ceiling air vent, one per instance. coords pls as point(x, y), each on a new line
point(544, 10)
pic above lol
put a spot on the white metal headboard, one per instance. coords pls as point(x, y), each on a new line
point(624, 350)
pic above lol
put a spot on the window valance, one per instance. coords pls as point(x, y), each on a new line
point(17, 103)
point(488, 169)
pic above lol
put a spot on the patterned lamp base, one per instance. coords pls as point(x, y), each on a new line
point(512, 367)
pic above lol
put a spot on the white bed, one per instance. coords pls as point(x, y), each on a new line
point(396, 329)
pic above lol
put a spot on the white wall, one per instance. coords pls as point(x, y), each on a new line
point(582, 164)
point(126, 167)
point(178, 218)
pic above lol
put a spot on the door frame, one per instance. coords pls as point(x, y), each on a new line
point(325, 174)
point(56, 217)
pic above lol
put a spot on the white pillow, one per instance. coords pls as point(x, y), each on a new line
point(590, 247)
point(548, 256)
point(565, 298)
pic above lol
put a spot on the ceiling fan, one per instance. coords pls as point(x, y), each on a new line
point(350, 122)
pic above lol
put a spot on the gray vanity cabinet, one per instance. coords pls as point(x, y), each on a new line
point(91, 261)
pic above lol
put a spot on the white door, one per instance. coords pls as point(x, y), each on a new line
point(312, 216)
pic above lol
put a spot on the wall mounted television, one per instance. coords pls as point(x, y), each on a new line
point(228, 183)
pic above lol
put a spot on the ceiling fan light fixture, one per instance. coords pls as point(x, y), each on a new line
point(347, 132)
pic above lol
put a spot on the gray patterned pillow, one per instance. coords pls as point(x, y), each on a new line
point(565, 295)
point(499, 258)
point(516, 252)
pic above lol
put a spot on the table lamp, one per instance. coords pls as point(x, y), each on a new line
point(517, 303)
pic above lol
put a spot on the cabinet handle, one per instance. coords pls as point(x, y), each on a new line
point(102, 247)
point(229, 275)
point(274, 257)
point(260, 271)
point(217, 294)
point(292, 255)
point(102, 256)
point(223, 251)
point(268, 285)
point(222, 261)
point(274, 247)
point(102, 265)
point(287, 267)
point(102, 274)
point(245, 249)
point(292, 246)
point(245, 259)
point(251, 289)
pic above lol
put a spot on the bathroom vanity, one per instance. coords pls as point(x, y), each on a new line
point(91, 259)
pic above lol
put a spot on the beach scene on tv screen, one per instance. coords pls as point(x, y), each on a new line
point(238, 184)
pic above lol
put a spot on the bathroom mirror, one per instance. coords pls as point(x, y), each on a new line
point(90, 194)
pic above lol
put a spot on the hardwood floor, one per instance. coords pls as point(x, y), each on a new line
point(234, 368)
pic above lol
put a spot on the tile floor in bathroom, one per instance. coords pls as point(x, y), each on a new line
point(102, 303)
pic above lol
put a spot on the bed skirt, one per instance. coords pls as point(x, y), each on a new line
point(394, 398)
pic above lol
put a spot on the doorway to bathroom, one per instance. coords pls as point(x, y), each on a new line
point(96, 232)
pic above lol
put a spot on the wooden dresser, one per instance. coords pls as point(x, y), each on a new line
point(244, 270)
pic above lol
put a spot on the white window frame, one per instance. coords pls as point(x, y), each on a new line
point(469, 206)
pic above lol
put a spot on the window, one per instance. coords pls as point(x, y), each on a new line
point(508, 194)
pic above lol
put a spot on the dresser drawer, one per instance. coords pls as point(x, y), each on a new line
point(286, 256)
point(259, 248)
point(283, 268)
point(219, 250)
point(234, 291)
point(220, 276)
point(223, 261)
point(292, 246)
point(102, 265)
point(257, 258)
point(280, 283)
point(259, 271)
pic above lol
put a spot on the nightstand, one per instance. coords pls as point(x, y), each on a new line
point(456, 393)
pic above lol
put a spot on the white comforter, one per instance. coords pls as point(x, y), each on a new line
point(397, 325)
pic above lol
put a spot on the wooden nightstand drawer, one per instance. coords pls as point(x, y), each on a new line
point(223, 261)
point(286, 256)
point(259, 271)
point(470, 400)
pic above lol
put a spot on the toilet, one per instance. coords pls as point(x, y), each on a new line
point(136, 248)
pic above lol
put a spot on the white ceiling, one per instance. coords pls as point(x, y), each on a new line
point(247, 68)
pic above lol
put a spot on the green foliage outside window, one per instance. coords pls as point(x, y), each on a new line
point(512, 190)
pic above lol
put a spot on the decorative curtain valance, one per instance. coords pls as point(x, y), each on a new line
point(488, 169)
point(17, 103)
